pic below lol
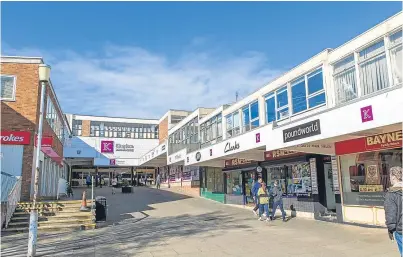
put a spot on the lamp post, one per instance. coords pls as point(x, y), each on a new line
point(44, 74)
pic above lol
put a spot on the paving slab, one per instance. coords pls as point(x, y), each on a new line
point(150, 223)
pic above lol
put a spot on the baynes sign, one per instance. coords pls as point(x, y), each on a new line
point(308, 129)
point(230, 148)
point(387, 140)
point(15, 137)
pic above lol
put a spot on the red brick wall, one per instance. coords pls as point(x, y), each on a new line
point(163, 130)
point(23, 115)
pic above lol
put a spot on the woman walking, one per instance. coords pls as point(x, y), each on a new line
point(263, 200)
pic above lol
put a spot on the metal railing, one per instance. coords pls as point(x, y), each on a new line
point(12, 200)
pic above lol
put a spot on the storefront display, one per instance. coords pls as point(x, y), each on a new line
point(365, 176)
point(234, 183)
point(365, 164)
point(295, 179)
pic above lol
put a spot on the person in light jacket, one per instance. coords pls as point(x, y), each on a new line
point(393, 206)
point(277, 195)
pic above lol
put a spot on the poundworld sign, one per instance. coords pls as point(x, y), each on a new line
point(308, 129)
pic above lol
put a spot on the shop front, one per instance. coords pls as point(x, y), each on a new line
point(239, 175)
point(365, 165)
point(212, 184)
point(307, 182)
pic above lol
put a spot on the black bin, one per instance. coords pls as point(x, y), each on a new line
point(100, 208)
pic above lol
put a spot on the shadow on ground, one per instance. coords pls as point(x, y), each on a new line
point(128, 238)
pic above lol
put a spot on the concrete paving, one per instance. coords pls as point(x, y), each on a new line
point(151, 222)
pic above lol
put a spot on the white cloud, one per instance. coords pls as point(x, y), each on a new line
point(129, 81)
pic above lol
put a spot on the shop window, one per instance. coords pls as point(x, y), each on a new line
point(365, 176)
point(234, 183)
point(295, 179)
point(395, 49)
point(373, 70)
point(8, 86)
point(344, 78)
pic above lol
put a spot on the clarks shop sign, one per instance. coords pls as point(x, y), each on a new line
point(308, 129)
point(231, 147)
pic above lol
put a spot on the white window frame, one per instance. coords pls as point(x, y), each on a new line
point(267, 96)
point(309, 96)
point(277, 92)
point(14, 88)
point(232, 129)
point(390, 48)
point(248, 106)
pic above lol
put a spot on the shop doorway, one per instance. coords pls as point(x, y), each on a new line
point(330, 196)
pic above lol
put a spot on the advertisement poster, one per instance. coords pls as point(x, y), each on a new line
point(300, 182)
point(335, 173)
point(314, 176)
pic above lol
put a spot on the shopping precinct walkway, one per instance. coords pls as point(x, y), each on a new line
point(162, 223)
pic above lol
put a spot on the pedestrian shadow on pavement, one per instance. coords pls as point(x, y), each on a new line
point(130, 238)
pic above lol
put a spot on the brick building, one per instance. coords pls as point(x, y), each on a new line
point(20, 103)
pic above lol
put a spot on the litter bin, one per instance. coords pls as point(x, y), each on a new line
point(100, 208)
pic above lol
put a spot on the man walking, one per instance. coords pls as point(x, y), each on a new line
point(393, 206)
point(255, 190)
point(277, 194)
point(158, 181)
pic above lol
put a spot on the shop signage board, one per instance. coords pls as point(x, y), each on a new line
point(335, 174)
point(237, 162)
point(107, 146)
point(124, 148)
point(305, 130)
point(279, 154)
point(15, 137)
point(314, 176)
point(371, 143)
point(366, 113)
point(229, 147)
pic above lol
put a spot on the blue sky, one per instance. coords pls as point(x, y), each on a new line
point(139, 59)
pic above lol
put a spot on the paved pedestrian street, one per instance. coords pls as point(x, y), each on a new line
point(151, 222)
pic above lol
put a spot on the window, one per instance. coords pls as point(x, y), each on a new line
point(185, 137)
point(373, 68)
point(211, 130)
point(8, 86)
point(234, 183)
point(396, 56)
point(345, 80)
point(366, 176)
point(250, 116)
point(53, 119)
point(122, 130)
point(308, 92)
point(77, 127)
point(233, 127)
point(270, 108)
point(298, 93)
point(282, 103)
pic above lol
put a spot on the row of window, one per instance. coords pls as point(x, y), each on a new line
point(367, 71)
point(54, 120)
point(188, 134)
point(119, 130)
point(211, 130)
point(359, 74)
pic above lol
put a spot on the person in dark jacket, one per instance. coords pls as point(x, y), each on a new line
point(277, 194)
point(255, 189)
point(393, 206)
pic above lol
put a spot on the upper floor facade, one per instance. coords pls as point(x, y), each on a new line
point(363, 68)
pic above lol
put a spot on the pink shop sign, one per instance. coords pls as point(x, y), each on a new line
point(366, 113)
point(107, 147)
